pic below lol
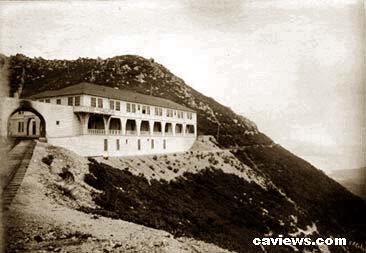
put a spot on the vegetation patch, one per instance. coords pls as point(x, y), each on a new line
point(48, 159)
point(336, 210)
point(211, 205)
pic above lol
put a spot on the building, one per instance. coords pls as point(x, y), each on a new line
point(95, 120)
point(24, 124)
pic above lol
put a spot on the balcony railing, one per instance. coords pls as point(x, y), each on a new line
point(131, 132)
point(157, 133)
point(96, 131)
point(144, 132)
point(114, 132)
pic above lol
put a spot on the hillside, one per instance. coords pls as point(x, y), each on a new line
point(297, 196)
point(353, 179)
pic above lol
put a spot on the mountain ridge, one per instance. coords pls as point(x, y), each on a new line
point(335, 210)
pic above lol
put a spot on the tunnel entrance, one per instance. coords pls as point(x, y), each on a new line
point(26, 123)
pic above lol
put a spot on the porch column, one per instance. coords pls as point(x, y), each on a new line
point(84, 119)
point(184, 129)
point(106, 120)
point(123, 126)
point(138, 126)
point(151, 124)
point(173, 127)
point(163, 128)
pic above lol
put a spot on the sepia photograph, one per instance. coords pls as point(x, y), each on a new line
point(183, 126)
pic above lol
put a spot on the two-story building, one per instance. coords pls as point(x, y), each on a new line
point(116, 122)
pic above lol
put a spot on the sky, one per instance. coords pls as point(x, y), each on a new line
point(294, 67)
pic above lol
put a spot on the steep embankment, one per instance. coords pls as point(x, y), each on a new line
point(315, 198)
point(45, 214)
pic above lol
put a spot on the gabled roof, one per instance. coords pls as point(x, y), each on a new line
point(108, 92)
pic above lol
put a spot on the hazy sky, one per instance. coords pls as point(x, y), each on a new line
point(296, 68)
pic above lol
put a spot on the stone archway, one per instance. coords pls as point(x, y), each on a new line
point(20, 119)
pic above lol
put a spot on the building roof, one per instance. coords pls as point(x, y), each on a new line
point(108, 92)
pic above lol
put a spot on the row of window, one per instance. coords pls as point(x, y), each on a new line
point(118, 144)
point(73, 101)
point(116, 105)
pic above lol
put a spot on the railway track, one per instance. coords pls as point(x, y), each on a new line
point(17, 164)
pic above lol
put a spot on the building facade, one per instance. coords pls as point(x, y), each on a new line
point(94, 120)
point(24, 124)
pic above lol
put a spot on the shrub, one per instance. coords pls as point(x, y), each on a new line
point(155, 157)
point(66, 174)
point(48, 159)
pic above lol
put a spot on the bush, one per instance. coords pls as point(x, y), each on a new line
point(66, 174)
point(155, 157)
point(48, 159)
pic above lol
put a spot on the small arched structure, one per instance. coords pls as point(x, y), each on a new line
point(115, 126)
point(168, 129)
point(157, 129)
point(178, 129)
point(26, 122)
point(189, 129)
point(145, 127)
point(96, 124)
point(131, 127)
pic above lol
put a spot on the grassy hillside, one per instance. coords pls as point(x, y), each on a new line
point(318, 199)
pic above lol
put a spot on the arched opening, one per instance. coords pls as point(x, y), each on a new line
point(168, 129)
point(131, 127)
point(178, 129)
point(26, 123)
point(145, 127)
point(115, 126)
point(189, 129)
point(157, 128)
point(96, 124)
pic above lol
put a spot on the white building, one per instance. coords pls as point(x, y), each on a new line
point(95, 120)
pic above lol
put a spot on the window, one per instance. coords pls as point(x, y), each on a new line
point(128, 107)
point(41, 100)
point(118, 106)
point(158, 111)
point(117, 144)
point(138, 144)
point(105, 144)
point(57, 122)
point(93, 102)
point(70, 101)
point(133, 108)
point(48, 100)
point(138, 107)
point(58, 101)
point(111, 104)
point(169, 113)
point(164, 144)
point(126, 141)
point(145, 109)
point(20, 127)
point(77, 101)
point(152, 143)
point(189, 115)
point(180, 115)
point(100, 103)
